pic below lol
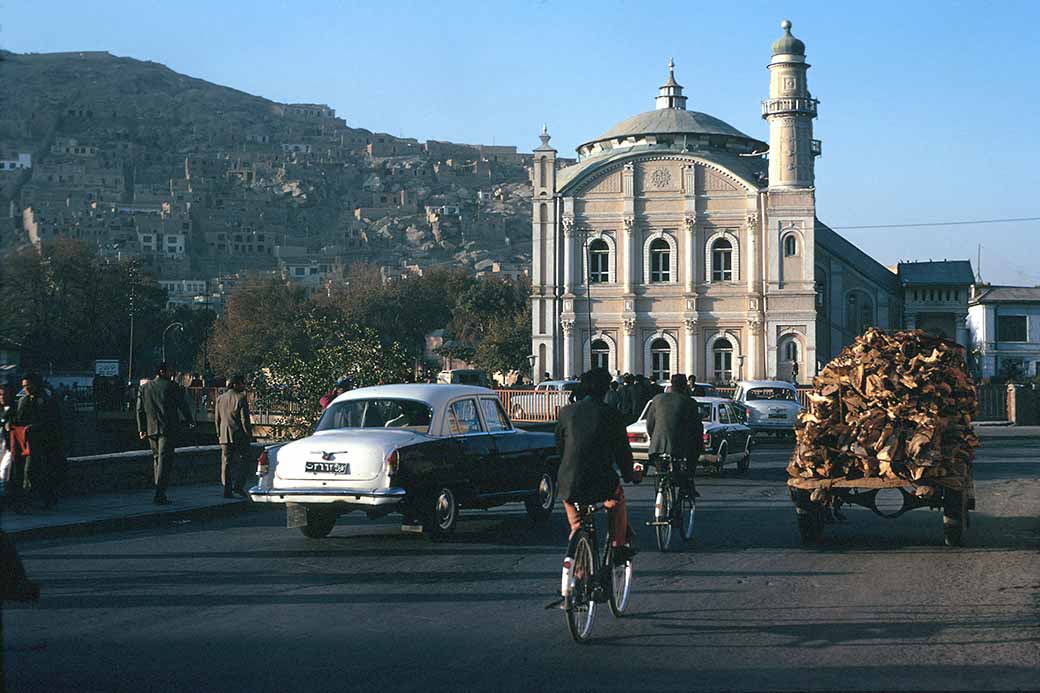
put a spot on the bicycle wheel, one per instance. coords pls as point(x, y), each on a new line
point(663, 504)
point(620, 582)
point(580, 605)
point(684, 516)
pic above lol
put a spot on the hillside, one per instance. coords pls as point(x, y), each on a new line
point(199, 180)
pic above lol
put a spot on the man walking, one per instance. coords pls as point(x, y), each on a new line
point(38, 418)
point(234, 433)
point(160, 409)
point(673, 423)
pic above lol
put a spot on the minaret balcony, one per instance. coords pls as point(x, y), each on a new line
point(789, 105)
point(816, 146)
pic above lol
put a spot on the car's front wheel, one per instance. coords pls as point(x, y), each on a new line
point(540, 506)
point(442, 516)
point(319, 523)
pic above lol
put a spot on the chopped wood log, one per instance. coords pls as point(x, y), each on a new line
point(895, 406)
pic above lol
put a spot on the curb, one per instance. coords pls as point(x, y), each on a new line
point(138, 521)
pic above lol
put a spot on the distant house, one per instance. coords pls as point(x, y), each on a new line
point(1005, 330)
point(935, 297)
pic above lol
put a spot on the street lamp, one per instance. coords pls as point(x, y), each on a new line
point(531, 360)
point(168, 327)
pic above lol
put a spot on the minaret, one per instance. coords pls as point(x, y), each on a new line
point(545, 264)
point(790, 110)
point(670, 94)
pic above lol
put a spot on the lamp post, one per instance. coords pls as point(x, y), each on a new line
point(531, 360)
point(168, 327)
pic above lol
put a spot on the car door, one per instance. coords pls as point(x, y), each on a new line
point(509, 467)
point(725, 429)
point(739, 437)
point(474, 445)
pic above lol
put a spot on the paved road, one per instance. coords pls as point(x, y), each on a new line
point(244, 604)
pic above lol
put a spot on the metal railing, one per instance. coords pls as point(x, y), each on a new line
point(533, 406)
point(993, 403)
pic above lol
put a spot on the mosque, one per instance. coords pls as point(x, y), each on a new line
point(677, 243)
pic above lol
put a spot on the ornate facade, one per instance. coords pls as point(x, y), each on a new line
point(677, 243)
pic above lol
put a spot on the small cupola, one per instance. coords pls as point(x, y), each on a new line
point(788, 44)
point(670, 94)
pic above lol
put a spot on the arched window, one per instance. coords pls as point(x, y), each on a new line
point(722, 260)
point(660, 261)
point(791, 351)
point(722, 356)
point(541, 171)
point(600, 354)
point(790, 245)
point(660, 360)
point(599, 261)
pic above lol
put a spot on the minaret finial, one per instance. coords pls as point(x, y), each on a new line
point(786, 26)
point(545, 137)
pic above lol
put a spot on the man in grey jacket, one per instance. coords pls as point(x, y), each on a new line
point(673, 423)
point(161, 411)
point(235, 434)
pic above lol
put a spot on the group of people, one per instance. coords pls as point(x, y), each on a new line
point(163, 414)
point(32, 451)
point(593, 444)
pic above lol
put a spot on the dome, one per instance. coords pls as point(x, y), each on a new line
point(788, 44)
point(670, 121)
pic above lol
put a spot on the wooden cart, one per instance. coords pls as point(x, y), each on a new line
point(811, 496)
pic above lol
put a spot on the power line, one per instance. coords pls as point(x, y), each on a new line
point(935, 223)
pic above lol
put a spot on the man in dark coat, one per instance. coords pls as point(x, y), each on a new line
point(673, 423)
point(39, 413)
point(161, 411)
point(591, 440)
point(641, 394)
point(626, 398)
point(235, 434)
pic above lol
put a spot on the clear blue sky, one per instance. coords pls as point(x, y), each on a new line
point(927, 109)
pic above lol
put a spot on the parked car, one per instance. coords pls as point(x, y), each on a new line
point(463, 376)
point(770, 405)
point(545, 402)
point(726, 437)
point(704, 390)
point(424, 451)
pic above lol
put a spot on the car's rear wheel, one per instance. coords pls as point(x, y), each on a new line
point(319, 523)
point(540, 507)
point(442, 515)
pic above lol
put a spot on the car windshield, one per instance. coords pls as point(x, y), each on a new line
point(705, 410)
point(377, 413)
point(702, 391)
point(770, 393)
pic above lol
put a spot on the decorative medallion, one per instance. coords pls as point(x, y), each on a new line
point(661, 178)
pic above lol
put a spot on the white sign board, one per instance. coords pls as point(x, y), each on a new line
point(106, 367)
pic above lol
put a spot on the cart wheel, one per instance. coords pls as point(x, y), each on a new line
point(955, 517)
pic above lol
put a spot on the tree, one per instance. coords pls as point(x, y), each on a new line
point(260, 316)
point(331, 349)
point(506, 345)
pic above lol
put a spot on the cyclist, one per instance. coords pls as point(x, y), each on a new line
point(591, 440)
point(674, 425)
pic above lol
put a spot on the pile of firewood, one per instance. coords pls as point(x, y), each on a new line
point(890, 406)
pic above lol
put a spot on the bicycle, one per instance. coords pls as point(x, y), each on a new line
point(675, 504)
point(589, 579)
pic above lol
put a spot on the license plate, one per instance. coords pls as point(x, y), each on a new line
point(327, 467)
point(777, 414)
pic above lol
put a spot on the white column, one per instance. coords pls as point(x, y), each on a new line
point(568, 349)
point(568, 255)
point(630, 347)
point(690, 347)
point(751, 362)
point(631, 265)
point(690, 254)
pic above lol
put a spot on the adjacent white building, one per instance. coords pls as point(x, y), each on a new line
point(1005, 330)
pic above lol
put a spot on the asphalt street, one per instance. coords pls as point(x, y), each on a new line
point(243, 603)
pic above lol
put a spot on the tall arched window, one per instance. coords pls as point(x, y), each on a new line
point(791, 351)
point(660, 261)
point(599, 261)
point(722, 356)
point(541, 172)
point(790, 245)
point(660, 360)
point(600, 354)
point(722, 260)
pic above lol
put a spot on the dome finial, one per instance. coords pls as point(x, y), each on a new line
point(671, 65)
point(545, 137)
point(786, 25)
point(788, 44)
